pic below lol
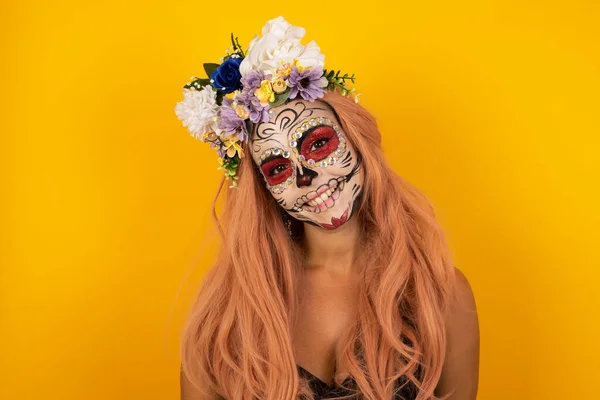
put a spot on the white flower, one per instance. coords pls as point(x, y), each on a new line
point(198, 111)
point(280, 42)
point(281, 29)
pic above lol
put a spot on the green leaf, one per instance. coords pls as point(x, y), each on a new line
point(209, 68)
point(236, 45)
point(249, 125)
point(233, 41)
point(197, 83)
point(220, 96)
point(280, 98)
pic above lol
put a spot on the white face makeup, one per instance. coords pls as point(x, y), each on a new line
point(307, 163)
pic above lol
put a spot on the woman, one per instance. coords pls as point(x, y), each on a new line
point(334, 278)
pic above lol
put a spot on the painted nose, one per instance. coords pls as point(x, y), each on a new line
point(305, 177)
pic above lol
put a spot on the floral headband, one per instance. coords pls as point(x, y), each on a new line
point(240, 92)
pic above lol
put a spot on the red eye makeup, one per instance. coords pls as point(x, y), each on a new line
point(318, 142)
point(276, 170)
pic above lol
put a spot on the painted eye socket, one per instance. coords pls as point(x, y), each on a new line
point(319, 143)
point(277, 170)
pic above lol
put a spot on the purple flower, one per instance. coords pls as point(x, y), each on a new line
point(258, 112)
point(218, 146)
point(251, 82)
point(308, 83)
point(230, 122)
point(220, 150)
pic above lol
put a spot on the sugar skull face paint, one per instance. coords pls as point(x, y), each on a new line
point(307, 163)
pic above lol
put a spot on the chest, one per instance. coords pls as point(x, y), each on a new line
point(326, 312)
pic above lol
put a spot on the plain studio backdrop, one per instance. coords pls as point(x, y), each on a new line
point(490, 107)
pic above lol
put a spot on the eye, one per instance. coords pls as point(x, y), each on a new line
point(319, 143)
point(276, 170)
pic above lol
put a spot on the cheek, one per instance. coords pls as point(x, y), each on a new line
point(344, 164)
point(288, 197)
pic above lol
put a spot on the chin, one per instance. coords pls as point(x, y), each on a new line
point(338, 212)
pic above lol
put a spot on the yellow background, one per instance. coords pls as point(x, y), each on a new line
point(491, 108)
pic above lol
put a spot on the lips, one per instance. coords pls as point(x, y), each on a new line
point(322, 198)
point(337, 222)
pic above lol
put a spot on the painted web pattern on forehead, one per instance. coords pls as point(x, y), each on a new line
point(285, 120)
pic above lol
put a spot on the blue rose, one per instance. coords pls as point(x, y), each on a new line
point(227, 77)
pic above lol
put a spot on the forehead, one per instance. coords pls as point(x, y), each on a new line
point(285, 118)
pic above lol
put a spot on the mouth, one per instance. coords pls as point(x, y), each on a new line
point(322, 198)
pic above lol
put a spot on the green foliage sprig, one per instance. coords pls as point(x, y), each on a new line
point(336, 81)
point(197, 83)
point(237, 49)
point(236, 45)
point(230, 166)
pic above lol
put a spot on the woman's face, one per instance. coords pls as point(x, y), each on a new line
point(308, 165)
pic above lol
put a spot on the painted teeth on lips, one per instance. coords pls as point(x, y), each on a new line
point(324, 197)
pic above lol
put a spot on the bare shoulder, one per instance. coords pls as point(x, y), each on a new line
point(460, 374)
point(465, 299)
point(190, 392)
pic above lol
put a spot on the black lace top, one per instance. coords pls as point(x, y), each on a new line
point(324, 391)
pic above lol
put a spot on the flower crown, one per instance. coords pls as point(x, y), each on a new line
point(240, 92)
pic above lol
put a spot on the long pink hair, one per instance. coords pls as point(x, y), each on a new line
point(237, 337)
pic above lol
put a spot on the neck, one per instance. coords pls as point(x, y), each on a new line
point(332, 251)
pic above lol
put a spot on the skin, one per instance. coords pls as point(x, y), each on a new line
point(460, 374)
point(307, 163)
point(329, 286)
point(330, 282)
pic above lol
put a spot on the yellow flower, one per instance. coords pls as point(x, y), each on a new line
point(284, 70)
point(279, 86)
point(241, 111)
point(298, 65)
point(265, 93)
point(233, 94)
point(210, 136)
point(232, 146)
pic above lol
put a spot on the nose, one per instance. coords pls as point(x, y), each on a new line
point(305, 177)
